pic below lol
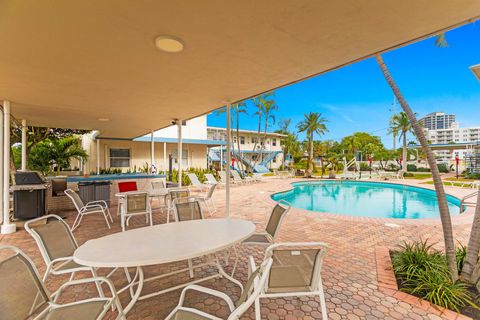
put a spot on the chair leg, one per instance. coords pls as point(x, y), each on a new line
point(109, 215)
point(98, 284)
point(151, 218)
point(106, 218)
point(190, 268)
point(258, 315)
point(122, 221)
point(77, 221)
point(212, 205)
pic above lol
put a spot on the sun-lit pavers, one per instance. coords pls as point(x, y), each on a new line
point(349, 274)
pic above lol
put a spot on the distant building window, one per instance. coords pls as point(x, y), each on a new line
point(120, 158)
point(274, 160)
point(234, 139)
point(184, 157)
point(262, 141)
point(242, 140)
point(274, 142)
point(254, 139)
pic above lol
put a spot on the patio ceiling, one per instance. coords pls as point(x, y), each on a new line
point(70, 63)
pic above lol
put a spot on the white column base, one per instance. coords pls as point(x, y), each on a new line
point(8, 228)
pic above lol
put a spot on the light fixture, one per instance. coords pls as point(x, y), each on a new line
point(103, 119)
point(169, 44)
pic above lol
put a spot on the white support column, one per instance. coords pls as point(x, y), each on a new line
point(221, 158)
point(24, 145)
point(1, 165)
point(97, 154)
point(179, 152)
point(152, 149)
point(227, 185)
point(165, 157)
point(7, 227)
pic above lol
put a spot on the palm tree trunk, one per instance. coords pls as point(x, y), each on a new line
point(238, 140)
point(404, 152)
point(309, 172)
point(473, 247)
point(257, 140)
point(437, 181)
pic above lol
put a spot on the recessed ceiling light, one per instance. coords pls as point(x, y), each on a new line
point(103, 119)
point(169, 44)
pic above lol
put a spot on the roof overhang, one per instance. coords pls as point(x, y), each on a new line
point(75, 63)
point(476, 71)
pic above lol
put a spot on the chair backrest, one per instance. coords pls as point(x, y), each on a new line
point(223, 176)
point(252, 289)
point(137, 202)
point(210, 191)
point(158, 184)
point(296, 266)
point(127, 186)
point(186, 210)
point(210, 178)
point(236, 175)
point(53, 237)
point(276, 218)
point(178, 193)
point(59, 185)
point(21, 291)
point(194, 179)
point(77, 201)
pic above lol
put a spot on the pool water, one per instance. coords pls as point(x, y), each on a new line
point(366, 199)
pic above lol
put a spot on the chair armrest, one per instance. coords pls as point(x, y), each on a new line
point(109, 283)
point(92, 206)
point(102, 202)
point(211, 292)
point(61, 261)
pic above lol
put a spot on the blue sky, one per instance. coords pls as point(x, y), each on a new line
point(357, 98)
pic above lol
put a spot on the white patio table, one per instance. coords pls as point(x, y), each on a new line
point(164, 243)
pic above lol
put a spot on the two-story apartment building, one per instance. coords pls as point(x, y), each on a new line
point(200, 145)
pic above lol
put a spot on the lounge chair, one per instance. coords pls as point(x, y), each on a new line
point(22, 293)
point(238, 179)
point(223, 178)
point(196, 184)
point(57, 244)
point(99, 206)
point(295, 272)
point(207, 199)
point(137, 203)
point(249, 295)
point(210, 179)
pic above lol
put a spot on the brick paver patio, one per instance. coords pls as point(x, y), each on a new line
point(349, 274)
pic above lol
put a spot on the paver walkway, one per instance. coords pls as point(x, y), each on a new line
point(349, 274)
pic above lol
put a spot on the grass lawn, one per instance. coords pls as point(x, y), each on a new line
point(455, 184)
point(459, 179)
point(420, 176)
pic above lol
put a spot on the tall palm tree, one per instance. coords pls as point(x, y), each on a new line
point(400, 125)
point(313, 123)
point(259, 102)
point(437, 180)
point(268, 108)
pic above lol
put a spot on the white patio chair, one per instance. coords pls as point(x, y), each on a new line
point(23, 295)
point(210, 179)
point(57, 245)
point(158, 184)
point(207, 199)
point(249, 295)
point(137, 203)
point(279, 212)
point(187, 209)
point(99, 206)
point(174, 193)
point(295, 272)
point(196, 184)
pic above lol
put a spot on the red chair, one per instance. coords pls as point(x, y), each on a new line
point(127, 186)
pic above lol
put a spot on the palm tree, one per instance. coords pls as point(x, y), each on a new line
point(401, 124)
point(259, 102)
point(437, 180)
point(268, 108)
point(313, 123)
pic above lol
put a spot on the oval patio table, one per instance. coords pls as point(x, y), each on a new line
point(164, 243)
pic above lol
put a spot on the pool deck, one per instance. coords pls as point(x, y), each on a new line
point(349, 273)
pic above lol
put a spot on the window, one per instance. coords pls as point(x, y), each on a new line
point(254, 139)
point(184, 157)
point(234, 139)
point(242, 140)
point(120, 158)
point(274, 142)
point(262, 141)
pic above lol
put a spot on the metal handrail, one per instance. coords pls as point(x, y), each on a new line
point(468, 196)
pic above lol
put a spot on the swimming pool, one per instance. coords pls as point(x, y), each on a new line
point(366, 199)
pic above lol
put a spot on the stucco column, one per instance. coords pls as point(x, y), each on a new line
point(152, 149)
point(7, 227)
point(165, 157)
point(24, 145)
point(179, 152)
point(97, 154)
point(227, 185)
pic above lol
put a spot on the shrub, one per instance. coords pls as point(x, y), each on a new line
point(473, 176)
point(392, 167)
point(442, 167)
point(423, 169)
point(461, 254)
point(423, 271)
point(408, 174)
point(364, 166)
point(411, 168)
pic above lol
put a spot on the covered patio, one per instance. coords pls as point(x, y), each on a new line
point(102, 66)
